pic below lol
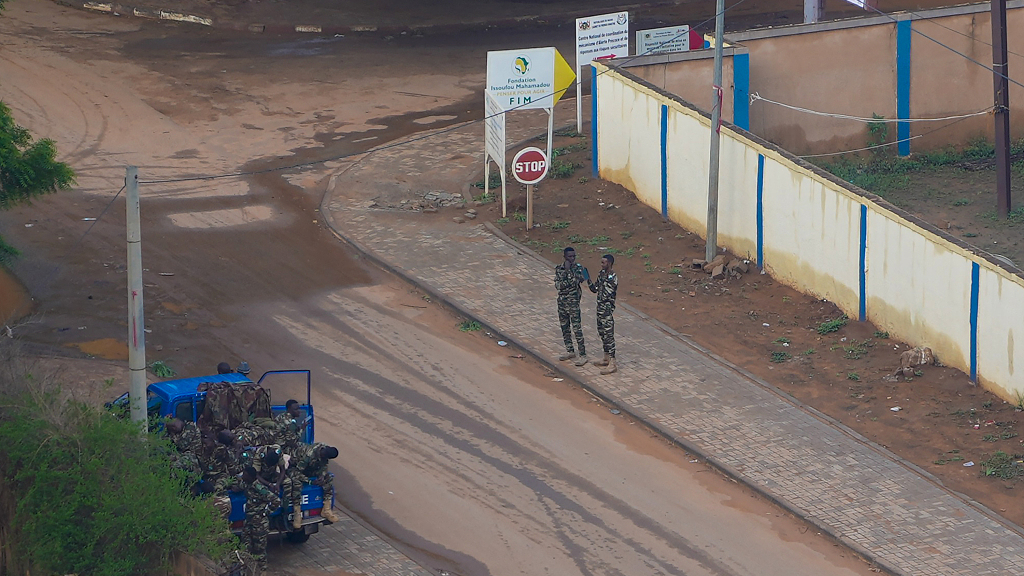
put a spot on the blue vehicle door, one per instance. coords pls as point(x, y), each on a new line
point(280, 383)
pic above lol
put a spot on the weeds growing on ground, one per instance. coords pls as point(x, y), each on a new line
point(779, 357)
point(161, 370)
point(469, 326)
point(833, 325)
point(1002, 465)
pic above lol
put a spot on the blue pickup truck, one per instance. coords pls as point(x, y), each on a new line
point(183, 399)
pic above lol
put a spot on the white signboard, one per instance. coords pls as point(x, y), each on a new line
point(522, 79)
point(605, 36)
point(494, 129)
point(663, 40)
point(602, 37)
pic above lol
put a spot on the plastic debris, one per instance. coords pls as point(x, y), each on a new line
point(502, 343)
point(614, 411)
point(968, 464)
point(88, 219)
point(29, 225)
point(765, 324)
point(895, 408)
point(557, 379)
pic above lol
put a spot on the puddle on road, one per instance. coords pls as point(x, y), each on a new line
point(14, 298)
point(107, 348)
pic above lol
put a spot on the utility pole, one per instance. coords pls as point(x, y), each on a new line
point(1002, 107)
point(814, 11)
point(136, 317)
point(716, 119)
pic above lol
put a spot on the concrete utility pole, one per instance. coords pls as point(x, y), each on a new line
point(1002, 107)
point(136, 317)
point(814, 11)
point(716, 118)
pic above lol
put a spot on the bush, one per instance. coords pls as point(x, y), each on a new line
point(82, 493)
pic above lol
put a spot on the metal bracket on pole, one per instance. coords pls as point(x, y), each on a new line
point(136, 316)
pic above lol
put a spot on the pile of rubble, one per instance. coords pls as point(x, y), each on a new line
point(431, 202)
point(722, 266)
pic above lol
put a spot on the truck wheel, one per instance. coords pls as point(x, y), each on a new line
point(297, 537)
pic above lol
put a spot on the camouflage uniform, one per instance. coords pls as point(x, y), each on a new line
point(260, 501)
point(606, 287)
point(567, 282)
point(254, 435)
point(188, 445)
point(307, 466)
point(287, 430)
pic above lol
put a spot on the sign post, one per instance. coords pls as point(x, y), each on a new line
point(532, 78)
point(604, 36)
point(494, 144)
point(530, 166)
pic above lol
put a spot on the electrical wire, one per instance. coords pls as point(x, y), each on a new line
point(425, 136)
point(924, 18)
point(63, 259)
point(756, 96)
point(933, 130)
point(951, 49)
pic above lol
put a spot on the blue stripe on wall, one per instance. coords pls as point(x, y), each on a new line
point(903, 34)
point(664, 161)
point(594, 167)
point(760, 210)
point(863, 262)
point(975, 276)
point(741, 90)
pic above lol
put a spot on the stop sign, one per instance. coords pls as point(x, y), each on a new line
point(530, 165)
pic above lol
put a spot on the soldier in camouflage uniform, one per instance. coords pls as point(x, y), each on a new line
point(606, 287)
point(309, 464)
point(260, 501)
point(568, 277)
point(188, 444)
point(288, 426)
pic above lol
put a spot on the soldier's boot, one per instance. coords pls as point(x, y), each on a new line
point(611, 369)
point(329, 514)
point(580, 361)
point(566, 356)
point(297, 516)
point(603, 361)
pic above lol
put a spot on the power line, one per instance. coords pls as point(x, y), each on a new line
point(756, 96)
point(923, 18)
point(933, 130)
point(953, 50)
point(419, 138)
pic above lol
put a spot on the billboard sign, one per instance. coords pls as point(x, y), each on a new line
point(663, 40)
point(604, 36)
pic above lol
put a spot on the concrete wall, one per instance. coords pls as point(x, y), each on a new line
point(851, 67)
point(814, 232)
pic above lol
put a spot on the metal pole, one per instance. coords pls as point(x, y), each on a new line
point(551, 131)
point(529, 207)
point(136, 317)
point(716, 117)
point(1002, 107)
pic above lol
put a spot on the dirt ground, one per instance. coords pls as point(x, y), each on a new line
point(943, 422)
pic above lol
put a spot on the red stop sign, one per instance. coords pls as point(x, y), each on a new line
point(530, 165)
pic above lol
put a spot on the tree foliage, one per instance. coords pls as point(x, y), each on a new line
point(82, 493)
point(27, 168)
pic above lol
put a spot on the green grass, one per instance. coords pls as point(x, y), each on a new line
point(782, 340)
point(469, 326)
point(625, 234)
point(881, 335)
point(555, 153)
point(519, 217)
point(597, 240)
point(853, 376)
point(162, 370)
point(559, 225)
point(562, 169)
point(829, 326)
point(675, 270)
point(494, 180)
point(1001, 465)
point(779, 357)
point(502, 221)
